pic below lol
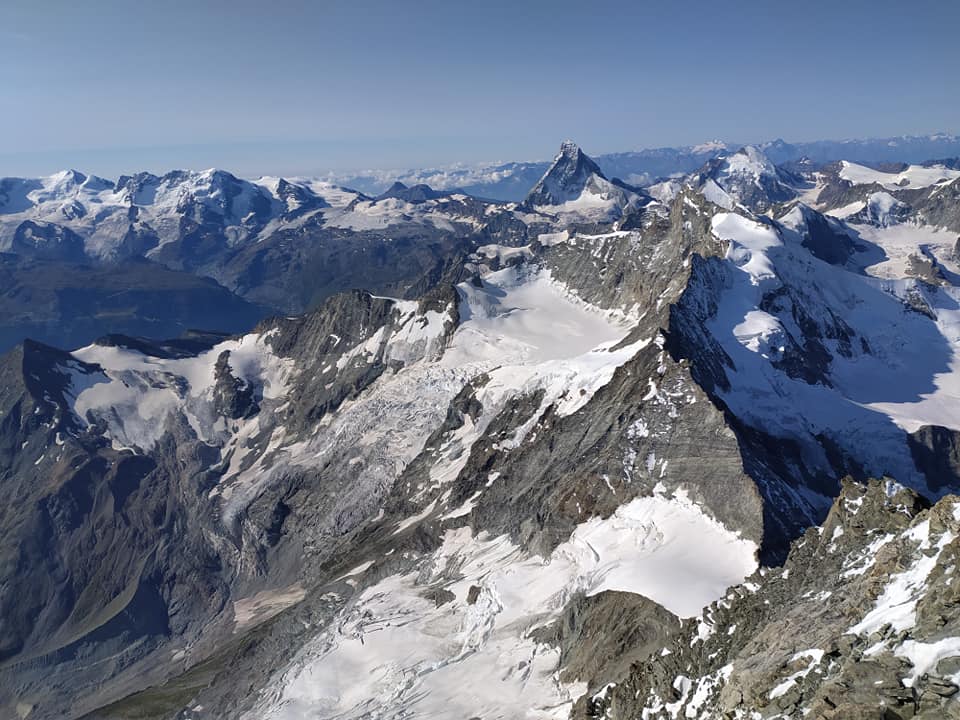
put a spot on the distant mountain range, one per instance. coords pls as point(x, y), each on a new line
point(151, 255)
point(512, 180)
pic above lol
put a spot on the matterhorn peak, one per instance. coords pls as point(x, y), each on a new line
point(569, 153)
point(566, 177)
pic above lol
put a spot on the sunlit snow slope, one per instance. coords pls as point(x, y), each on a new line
point(396, 653)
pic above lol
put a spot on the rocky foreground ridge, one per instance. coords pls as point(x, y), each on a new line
point(860, 622)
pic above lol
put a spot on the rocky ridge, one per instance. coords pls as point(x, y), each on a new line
point(859, 622)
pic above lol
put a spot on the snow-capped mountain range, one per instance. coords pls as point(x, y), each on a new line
point(511, 181)
point(73, 216)
point(574, 456)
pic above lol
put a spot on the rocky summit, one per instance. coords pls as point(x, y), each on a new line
point(662, 447)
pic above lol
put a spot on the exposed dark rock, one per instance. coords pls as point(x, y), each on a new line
point(827, 239)
point(936, 450)
point(46, 241)
point(416, 194)
point(71, 305)
point(232, 397)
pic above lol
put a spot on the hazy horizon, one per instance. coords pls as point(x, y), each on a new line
point(312, 89)
point(189, 155)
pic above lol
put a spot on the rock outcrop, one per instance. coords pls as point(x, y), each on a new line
point(860, 622)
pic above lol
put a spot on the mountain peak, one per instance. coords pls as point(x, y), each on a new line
point(565, 179)
point(746, 177)
point(711, 146)
point(415, 194)
point(570, 152)
point(756, 160)
point(69, 176)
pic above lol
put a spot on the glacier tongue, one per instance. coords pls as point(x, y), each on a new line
point(395, 653)
point(138, 393)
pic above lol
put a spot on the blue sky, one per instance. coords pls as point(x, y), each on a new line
point(308, 87)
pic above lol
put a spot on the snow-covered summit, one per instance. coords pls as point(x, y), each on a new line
point(66, 186)
point(709, 147)
point(142, 212)
point(746, 178)
point(749, 160)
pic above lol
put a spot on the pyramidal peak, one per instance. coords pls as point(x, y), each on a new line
point(571, 154)
point(566, 178)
